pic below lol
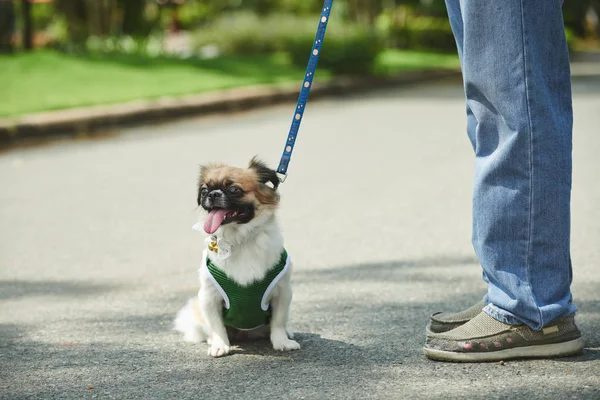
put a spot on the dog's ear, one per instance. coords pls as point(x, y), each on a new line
point(202, 179)
point(265, 174)
point(199, 183)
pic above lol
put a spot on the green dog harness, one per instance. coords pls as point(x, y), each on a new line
point(246, 307)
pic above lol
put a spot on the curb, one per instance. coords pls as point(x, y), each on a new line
point(82, 122)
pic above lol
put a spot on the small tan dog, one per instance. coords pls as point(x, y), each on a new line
point(245, 274)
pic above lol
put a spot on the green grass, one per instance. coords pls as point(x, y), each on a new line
point(47, 80)
point(392, 62)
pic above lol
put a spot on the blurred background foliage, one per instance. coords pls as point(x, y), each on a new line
point(363, 37)
point(360, 29)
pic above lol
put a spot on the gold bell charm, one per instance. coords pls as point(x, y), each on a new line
point(212, 246)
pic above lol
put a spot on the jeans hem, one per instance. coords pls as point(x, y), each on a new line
point(501, 315)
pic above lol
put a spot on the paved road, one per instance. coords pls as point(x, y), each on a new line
point(97, 254)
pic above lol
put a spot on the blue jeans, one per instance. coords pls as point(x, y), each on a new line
point(516, 75)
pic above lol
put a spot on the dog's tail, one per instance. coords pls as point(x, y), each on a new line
point(190, 322)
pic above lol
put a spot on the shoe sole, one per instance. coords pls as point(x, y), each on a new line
point(542, 351)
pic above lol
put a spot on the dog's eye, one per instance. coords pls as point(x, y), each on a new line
point(234, 190)
point(204, 192)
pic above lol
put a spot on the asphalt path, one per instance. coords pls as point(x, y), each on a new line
point(97, 255)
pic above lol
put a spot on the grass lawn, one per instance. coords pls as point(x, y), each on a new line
point(392, 62)
point(47, 80)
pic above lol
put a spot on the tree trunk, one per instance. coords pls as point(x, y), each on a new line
point(7, 26)
point(574, 13)
point(75, 13)
point(596, 8)
point(27, 24)
point(100, 13)
point(133, 17)
point(364, 12)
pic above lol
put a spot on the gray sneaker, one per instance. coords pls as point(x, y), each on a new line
point(444, 321)
point(484, 338)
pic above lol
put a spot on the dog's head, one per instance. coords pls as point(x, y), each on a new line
point(233, 195)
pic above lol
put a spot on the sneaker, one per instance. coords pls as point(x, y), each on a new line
point(444, 322)
point(484, 338)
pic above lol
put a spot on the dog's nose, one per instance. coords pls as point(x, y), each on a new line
point(215, 194)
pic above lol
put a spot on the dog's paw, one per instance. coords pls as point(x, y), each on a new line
point(218, 351)
point(286, 345)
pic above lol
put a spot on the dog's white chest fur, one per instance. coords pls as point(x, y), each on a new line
point(254, 250)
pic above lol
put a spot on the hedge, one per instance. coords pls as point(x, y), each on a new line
point(347, 48)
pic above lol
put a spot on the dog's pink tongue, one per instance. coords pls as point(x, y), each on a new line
point(214, 220)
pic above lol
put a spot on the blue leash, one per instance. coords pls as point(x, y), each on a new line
point(305, 91)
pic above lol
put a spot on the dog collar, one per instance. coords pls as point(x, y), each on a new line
point(215, 244)
point(219, 246)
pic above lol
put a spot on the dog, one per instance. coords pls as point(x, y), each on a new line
point(245, 277)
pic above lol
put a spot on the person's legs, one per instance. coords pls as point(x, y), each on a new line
point(445, 321)
point(516, 73)
point(519, 118)
point(517, 81)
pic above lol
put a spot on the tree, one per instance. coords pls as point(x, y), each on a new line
point(100, 15)
point(574, 13)
point(75, 12)
point(104, 17)
point(7, 25)
point(133, 17)
point(27, 24)
point(364, 12)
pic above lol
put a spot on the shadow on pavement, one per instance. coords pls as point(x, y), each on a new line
point(351, 345)
point(12, 289)
point(385, 271)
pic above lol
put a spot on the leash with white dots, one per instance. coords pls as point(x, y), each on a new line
point(305, 90)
